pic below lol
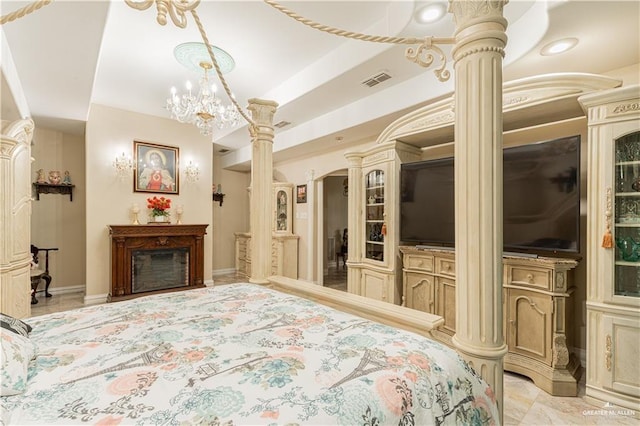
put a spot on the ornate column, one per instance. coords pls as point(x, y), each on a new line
point(478, 52)
point(260, 201)
point(354, 221)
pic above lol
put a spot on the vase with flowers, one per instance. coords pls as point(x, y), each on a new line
point(159, 207)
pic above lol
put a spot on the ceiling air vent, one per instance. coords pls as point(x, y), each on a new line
point(376, 79)
point(281, 124)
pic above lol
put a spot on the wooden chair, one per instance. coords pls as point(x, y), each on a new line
point(342, 253)
point(38, 274)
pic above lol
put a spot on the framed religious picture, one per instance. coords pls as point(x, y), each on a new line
point(156, 168)
point(301, 194)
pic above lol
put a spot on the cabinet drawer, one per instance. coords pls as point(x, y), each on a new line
point(446, 267)
point(529, 277)
point(420, 263)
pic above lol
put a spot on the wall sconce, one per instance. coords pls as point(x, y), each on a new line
point(123, 166)
point(192, 172)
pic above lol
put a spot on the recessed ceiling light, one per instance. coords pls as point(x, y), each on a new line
point(558, 46)
point(430, 13)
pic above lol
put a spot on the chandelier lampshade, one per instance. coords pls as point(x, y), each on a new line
point(203, 109)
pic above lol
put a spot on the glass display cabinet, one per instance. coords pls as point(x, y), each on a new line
point(627, 216)
point(613, 247)
point(282, 207)
point(375, 227)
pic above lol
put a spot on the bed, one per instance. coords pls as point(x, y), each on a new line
point(238, 354)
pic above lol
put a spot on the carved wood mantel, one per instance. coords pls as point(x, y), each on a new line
point(125, 239)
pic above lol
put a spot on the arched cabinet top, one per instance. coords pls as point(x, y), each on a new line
point(21, 130)
point(526, 102)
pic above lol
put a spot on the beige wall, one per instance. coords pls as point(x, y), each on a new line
point(304, 221)
point(55, 220)
point(231, 217)
point(109, 200)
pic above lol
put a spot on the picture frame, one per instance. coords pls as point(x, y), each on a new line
point(156, 168)
point(301, 194)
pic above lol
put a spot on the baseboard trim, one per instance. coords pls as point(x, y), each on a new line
point(63, 290)
point(223, 271)
point(96, 299)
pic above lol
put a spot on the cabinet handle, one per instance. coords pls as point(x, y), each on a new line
point(512, 322)
point(530, 278)
point(419, 262)
point(607, 352)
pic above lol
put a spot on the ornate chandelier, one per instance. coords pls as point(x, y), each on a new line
point(204, 110)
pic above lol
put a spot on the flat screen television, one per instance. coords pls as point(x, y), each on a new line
point(541, 199)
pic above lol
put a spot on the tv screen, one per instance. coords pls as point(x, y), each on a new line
point(541, 198)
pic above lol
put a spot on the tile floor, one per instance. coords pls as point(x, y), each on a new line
point(524, 403)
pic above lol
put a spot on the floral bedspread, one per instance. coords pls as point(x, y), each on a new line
point(240, 354)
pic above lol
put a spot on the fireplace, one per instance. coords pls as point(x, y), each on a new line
point(159, 269)
point(155, 258)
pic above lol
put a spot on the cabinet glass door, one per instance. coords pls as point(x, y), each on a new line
point(281, 210)
point(627, 216)
point(375, 228)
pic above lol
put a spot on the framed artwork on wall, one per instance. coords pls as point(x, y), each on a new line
point(156, 168)
point(301, 194)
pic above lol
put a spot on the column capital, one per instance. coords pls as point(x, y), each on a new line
point(471, 12)
point(262, 111)
point(480, 27)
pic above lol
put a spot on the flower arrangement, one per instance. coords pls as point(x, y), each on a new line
point(159, 206)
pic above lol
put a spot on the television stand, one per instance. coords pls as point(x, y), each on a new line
point(537, 310)
point(518, 254)
point(427, 247)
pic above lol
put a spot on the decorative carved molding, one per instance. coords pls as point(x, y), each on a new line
point(466, 12)
point(380, 156)
point(626, 107)
point(560, 353)
point(517, 95)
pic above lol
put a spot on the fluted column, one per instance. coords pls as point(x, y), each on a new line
point(478, 53)
point(260, 202)
point(354, 222)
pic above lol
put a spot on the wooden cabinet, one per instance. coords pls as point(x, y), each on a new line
point(613, 247)
point(536, 309)
point(284, 243)
point(15, 226)
point(373, 221)
point(284, 254)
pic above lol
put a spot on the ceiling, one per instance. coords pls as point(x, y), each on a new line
point(71, 54)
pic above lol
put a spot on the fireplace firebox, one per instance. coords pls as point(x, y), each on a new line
point(155, 258)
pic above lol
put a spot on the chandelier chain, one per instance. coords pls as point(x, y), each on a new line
point(9, 17)
point(205, 39)
point(340, 32)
